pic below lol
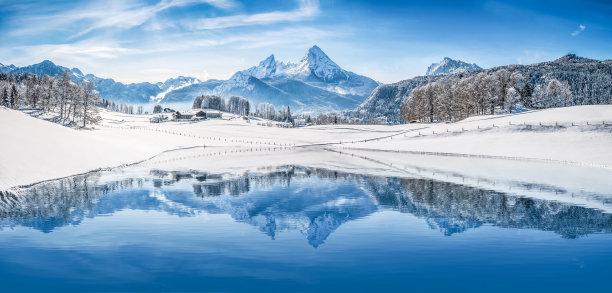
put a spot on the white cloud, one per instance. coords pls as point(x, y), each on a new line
point(306, 9)
point(107, 14)
point(581, 28)
point(157, 59)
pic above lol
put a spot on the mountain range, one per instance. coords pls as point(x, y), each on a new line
point(315, 84)
point(450, 66)
point(590, 82)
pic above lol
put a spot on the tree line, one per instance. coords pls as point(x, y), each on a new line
point(457, 97)
point(121, 108)
point(73, 102)
point(241, 106)
point(236, 105)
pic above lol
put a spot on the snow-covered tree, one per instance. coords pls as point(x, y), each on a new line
point(89, 100)
point(157, 109)
point(14, 101)
point(512, 97)
point(238, 105)
point(213, 102)
point(6, 102)
point(197, 102)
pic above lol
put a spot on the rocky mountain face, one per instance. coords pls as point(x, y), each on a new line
point(590, 82)
point(450, 66)
point(315, 84)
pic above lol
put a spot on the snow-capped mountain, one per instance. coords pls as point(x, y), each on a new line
point(315, 84)
point(109, 89)
point(173, 84)
point(450, 66)
point(317, 69)
point(7, 68)
point(266, 68)
point(590, 81)
point(318, 66)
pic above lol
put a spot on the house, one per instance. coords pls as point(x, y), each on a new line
point(158, 119)
point(300, 122)
point(179, 116)
point(213, 114)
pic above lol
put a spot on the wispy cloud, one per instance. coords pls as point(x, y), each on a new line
point(127, 17)
point(306, 9)
point(154, 59)
point(581, 28)
point(108, 14)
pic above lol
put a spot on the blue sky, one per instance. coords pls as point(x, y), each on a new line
point(138, 40)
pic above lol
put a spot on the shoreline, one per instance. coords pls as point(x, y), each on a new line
point(46, 151)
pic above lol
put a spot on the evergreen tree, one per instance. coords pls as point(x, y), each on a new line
point(14, 98)
point(157, 109)
point(5, 99)
point(289, 119)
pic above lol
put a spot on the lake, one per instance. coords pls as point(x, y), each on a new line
point(298, 228)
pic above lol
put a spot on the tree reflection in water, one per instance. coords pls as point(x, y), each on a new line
point(317, 206)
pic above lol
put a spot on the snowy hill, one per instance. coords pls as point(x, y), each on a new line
point(450, 66)
point(590, 82)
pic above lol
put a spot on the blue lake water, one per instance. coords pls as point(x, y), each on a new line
point(295, 229)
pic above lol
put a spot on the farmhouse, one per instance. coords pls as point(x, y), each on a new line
point(213, 113)
point(180, 116)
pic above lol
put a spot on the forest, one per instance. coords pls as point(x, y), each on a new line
point(75, 103)
point(455, 98)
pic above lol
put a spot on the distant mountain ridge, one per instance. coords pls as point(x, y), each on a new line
point(590, 82)
point(109, 89)
point(315, 84)
point(450, 66)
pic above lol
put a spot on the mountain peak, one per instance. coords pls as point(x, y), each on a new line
point(265, 69)
point(450, 66)
point(268, 62)
point(319, 65)
point(316, 51)
point(573, 58)
point(47, 63)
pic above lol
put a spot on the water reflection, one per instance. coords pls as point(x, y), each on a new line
point(313, 201)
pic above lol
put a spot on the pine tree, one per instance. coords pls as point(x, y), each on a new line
point(14, 98)
point(289, 119)
point(5, 99)
point(157, 109)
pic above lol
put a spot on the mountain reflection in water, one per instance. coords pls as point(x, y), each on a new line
point(311, 200)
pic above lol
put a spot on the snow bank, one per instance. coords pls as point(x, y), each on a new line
point(36, 150)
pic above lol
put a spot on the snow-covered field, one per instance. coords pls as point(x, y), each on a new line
point(34, 150)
